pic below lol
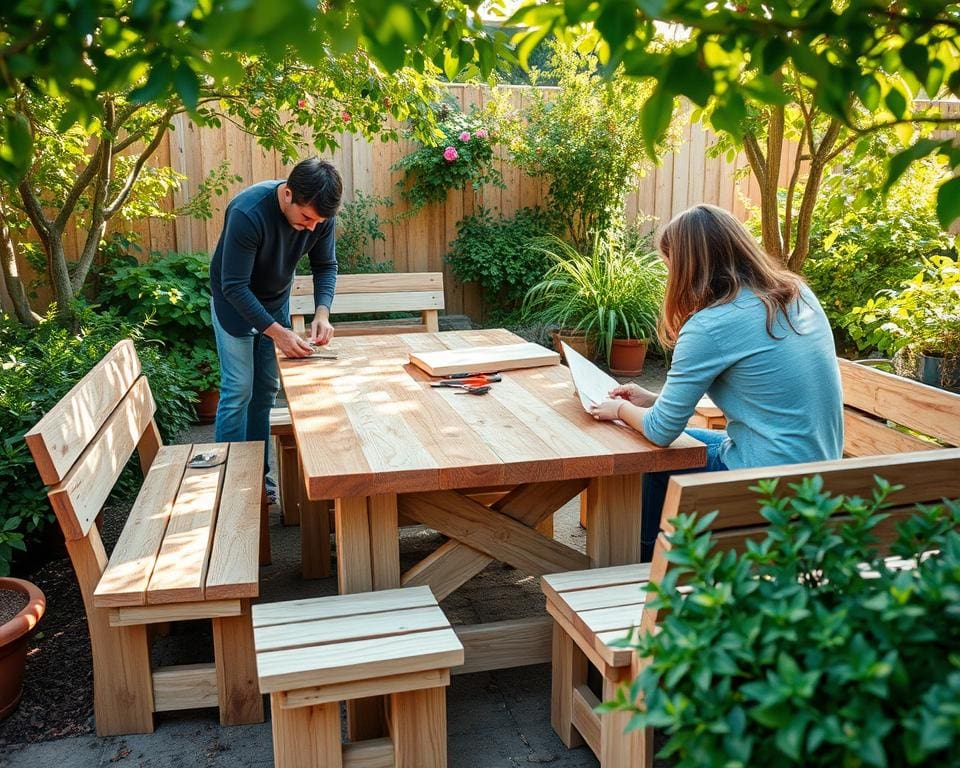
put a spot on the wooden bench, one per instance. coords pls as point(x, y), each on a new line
point(593, 608)
point(188, 550)
point(313, 654)
point(356, 294)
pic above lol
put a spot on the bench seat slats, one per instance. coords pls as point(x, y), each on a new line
point(124, 583)
point(78, 499)
point(358, 660)
point(291, 611)
point(364, 627)
point(378, 282)
point(180, 571)
point(233, 570)
point(598, 577)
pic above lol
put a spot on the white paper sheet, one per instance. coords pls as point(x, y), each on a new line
point(593, 385)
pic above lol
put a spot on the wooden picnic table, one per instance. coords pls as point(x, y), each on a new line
point(485, 471)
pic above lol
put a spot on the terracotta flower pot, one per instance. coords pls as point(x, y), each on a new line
point(207, 406)
point(13, 642)
point(578, 341)
point(627, 356)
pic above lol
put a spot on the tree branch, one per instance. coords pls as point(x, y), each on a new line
point(124, 193)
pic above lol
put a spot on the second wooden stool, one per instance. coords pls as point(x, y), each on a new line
point(313, 654)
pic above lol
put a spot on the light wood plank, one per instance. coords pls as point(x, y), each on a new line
point(236, 662)
point(497, 535)
point(124, 583)
point(308, 737)
point(188, 686)
point(311, 609)
point(418, 728)
point(596, 577)
point(928, 410)
point(358, 660)
point(447, 568)
point(233, 570)
point(372, 753)
point(390, 282)
point(585, 720)
point(613, 520)
point(181, 566)
point(568, 670)
point(78, 499)
point(356, 689)
point(865, 436)
point(384, 541)
point(504, 644)
point(487, 358)
point(354, 568)
point(58, 439)
point(129, 616)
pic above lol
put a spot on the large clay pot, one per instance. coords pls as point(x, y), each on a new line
point(578, 341)
point(627, 356)
point(207, 406)
point(14, 635)
point(940, 371)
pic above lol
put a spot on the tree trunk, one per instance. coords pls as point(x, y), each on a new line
point(15, 301)
point(818, 165)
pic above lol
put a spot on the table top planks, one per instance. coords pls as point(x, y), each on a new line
point(370, 422)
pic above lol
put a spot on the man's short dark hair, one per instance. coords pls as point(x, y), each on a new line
point(316, 183)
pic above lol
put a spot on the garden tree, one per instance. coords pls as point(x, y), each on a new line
point(88, 174)
point(584, 139)
point(78, 51)
point(851, 57)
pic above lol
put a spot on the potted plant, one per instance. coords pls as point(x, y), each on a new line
point(21, 606)
point(199, 369)
point(609, 297)
point(919, 320)
point(808, 648)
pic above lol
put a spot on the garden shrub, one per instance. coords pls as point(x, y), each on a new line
point(496, 253)
point(358, 226)
point(862, 242)
point(38, 367)
point(808, 648)
point(462, 155)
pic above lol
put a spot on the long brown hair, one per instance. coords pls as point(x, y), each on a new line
point(710, 257)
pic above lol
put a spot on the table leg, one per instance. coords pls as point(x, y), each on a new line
point(368, 559)
point(613, 520)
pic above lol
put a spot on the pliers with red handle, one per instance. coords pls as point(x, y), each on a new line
point(479, 380)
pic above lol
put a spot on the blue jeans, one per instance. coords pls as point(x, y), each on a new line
point(249, 382)
point(655, 488)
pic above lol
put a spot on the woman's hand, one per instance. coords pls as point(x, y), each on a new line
point(635, 394)
point(608, 410)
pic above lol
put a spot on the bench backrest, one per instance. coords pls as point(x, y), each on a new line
point(875, 400)
point(927, 477)
point(83, 443)
point(373, 294)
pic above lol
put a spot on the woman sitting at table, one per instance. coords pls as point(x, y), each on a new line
point(752, 335)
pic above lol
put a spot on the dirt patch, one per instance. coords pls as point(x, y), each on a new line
point(11, 603)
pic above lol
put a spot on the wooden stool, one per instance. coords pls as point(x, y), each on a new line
point(707, 415)
point(313, 654)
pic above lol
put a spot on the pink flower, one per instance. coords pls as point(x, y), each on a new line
point(465, 136)
point(345, 116)
point(302, 103)
point(450, 154)
point(481, 133)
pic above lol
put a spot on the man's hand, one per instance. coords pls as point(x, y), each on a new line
point(321, 330)
point(608, 410)
point(635, 394)
point(288, 342)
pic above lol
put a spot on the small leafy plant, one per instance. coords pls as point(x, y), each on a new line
point(612, 291)
point(808, 648)
point(497, 253)
point(461, 155)
point(358, 226)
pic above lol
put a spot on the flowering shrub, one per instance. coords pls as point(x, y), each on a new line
point(462, 154)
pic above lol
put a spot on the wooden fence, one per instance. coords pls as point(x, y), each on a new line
point(419, 243)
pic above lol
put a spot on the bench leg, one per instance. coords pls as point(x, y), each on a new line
point(265, 558)
point(569, 670)
point(289, 469)
point(619, 749)
point(418, 728)
point(236, 662)
point(306, 737)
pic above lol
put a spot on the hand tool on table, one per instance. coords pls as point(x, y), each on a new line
point(477, 380)
point(468, 389)
point(471, 375)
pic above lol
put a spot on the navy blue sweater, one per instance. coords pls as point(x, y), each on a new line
point(252, 270)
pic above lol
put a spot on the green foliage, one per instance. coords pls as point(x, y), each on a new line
point(727, 56)
point(584, 140)
point(358, 226)
point(462, 154)
point(614, 291)
point(923, 314)
point(162, 51)
point(808, 648)
point(862, 241)
point(499, 254)
point(38, 367)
